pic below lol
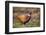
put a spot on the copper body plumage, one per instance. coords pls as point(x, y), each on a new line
point(24, 18)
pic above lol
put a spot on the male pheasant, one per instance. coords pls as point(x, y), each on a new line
point(24, 18)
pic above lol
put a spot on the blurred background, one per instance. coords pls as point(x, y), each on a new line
point(34, 17)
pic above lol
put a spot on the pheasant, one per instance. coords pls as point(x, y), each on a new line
point(24, 18)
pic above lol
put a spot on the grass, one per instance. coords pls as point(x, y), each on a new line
point(18, 24)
